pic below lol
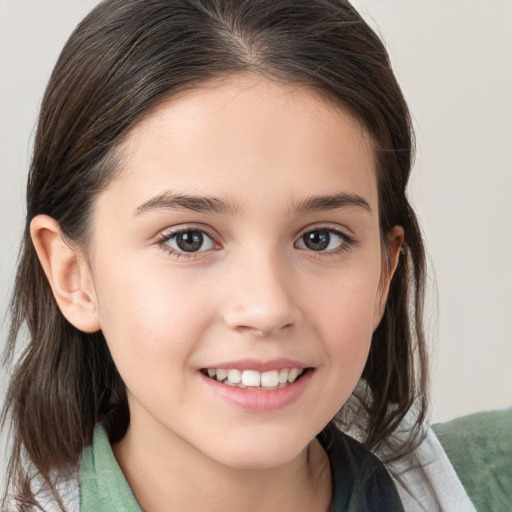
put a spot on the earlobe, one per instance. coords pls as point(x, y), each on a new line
point(394, 244)
point(67, 273)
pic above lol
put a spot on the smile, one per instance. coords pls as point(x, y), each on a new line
point(253, 379)
point(270, 388)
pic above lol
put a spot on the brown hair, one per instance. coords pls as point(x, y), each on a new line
point(123, 59)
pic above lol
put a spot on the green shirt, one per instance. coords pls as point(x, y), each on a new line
point(360, 481)
point(102, 483)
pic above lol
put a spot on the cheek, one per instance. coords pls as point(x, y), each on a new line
point(149, 318)
point(346, 302)
point(343, 314)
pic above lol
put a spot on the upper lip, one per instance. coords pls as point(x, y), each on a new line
point(258, 365)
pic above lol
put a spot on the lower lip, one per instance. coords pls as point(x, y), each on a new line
point(260, 400)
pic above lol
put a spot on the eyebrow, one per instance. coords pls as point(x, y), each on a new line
point(187, 202)
point(333, 202)
point(207, 204)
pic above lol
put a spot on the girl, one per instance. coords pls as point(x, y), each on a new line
point(221, 275)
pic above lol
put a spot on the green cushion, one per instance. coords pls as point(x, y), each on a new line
point(480, 448)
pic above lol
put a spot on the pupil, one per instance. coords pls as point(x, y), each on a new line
point(190, 241)
point(317, 240)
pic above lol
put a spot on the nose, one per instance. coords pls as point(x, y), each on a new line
point(261, 299)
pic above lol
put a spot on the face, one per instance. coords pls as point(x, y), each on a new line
point(237, 269)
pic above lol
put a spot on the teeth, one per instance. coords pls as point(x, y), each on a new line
point(293, 374)
point(283, 376)
point(234, 376)
point(251, 378)
point(272, 379)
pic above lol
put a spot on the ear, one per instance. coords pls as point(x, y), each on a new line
point(392, 250)
point(67, 272)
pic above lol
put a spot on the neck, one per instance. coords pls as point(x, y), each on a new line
point(182, 479)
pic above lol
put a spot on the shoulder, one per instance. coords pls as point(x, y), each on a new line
point(45, 501)
point(360, 479)
point(349, 456)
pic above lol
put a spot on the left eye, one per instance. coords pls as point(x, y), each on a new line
point(190, 241)
point(321, 240)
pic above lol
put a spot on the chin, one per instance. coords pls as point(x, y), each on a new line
point(259, 462)
point(260, 454)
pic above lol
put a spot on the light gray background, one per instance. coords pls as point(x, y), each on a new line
point(454, 61)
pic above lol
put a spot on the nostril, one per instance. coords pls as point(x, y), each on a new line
point(263, 331)
point(263, 321)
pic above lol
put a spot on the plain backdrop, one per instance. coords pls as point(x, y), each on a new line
point(453, 59)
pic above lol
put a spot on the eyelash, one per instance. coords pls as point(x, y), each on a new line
point(170, 235)
point(347, 242)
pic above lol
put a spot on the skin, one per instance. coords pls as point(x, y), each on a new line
point(255, 291)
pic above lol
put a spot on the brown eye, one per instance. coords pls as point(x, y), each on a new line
point(321, 240)
point(317, 240)
point(190, 241)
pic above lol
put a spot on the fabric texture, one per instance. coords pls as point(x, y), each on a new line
point(427, 480)
point(102, 483)
point(360, 481)
point(67, 489)
point(480, 448)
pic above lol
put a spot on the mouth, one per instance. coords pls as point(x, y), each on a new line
point(255, 380)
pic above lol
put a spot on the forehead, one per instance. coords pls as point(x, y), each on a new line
point(247, 136)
